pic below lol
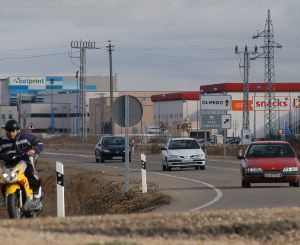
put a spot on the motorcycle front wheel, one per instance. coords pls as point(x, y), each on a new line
point(13, 206)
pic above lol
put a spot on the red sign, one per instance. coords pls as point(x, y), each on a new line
point(237, 105)
point(280, 103)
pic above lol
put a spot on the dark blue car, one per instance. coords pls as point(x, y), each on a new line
point(111, 148)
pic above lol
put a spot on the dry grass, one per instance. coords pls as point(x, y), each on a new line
point(90, 193)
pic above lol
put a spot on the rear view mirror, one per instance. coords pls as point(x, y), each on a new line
point(240, 157)
point(164, 148)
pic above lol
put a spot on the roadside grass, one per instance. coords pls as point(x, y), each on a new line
point(88, 192)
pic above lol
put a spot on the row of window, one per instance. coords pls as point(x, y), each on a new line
point(166, 116)
point(10, 116)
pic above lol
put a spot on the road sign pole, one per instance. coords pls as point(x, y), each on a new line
point(126, 144)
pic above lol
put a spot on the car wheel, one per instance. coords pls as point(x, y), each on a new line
point(101, 159)
point(295, 184)
point(168, 167)
point(163, 167)
point(245, 184)
point(96, 158)
point(202, 167)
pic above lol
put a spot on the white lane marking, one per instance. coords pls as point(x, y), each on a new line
point(219, 160)
point(231, 169)
point(207, 166)
point(64, 154)
point(218, 191)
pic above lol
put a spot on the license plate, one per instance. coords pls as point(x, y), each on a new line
point(116, 157)
point(277, 175)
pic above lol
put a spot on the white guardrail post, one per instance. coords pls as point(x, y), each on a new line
point(143, 171)
point(60, 189)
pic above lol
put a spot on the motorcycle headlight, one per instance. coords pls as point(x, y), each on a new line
point(11, 176)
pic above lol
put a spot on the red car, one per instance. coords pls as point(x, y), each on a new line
point(269, 162)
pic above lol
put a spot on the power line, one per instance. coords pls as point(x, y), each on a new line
point(32, 56)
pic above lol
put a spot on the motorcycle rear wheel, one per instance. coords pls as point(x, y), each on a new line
point(13, 206)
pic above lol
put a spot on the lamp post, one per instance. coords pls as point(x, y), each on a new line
point(254, 108)
point(95, 116)
point(142, 99)
point(160, 96)
point(52, 109)
point(77, 104)
point(63, 119)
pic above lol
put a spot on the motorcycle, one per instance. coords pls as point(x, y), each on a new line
point(15, 188)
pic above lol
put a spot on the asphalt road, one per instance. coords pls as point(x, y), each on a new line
point(216, 187)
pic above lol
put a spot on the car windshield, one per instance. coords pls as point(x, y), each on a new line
point(113, 141)
point(183, 144)
point(270, 150)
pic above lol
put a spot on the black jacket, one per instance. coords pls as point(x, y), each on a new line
point(22, 144)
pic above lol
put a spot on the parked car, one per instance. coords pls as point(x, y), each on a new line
point(269, 162)
point(232, 140)
point(182, 152)
point(111, 148)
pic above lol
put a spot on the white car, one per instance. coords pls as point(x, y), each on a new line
point(182, 152)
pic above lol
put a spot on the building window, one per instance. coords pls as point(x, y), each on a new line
point(10, 116)
point(3, 116)
point(170, 115)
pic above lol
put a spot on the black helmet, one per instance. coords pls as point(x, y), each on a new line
point(12, 125)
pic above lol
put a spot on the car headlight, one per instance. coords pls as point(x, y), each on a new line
point(173, 156)
point(199, 156)
point(254, 170)
point(290, 169)
point(106, 150)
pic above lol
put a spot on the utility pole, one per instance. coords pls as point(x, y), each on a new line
point(83, 46)
point(110, 49)
point(269, 77)
point(246, 67)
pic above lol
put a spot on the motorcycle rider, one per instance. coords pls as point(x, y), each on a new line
point(15, 141)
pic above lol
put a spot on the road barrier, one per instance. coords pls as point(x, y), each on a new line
point(60, 189)
point(143, 171)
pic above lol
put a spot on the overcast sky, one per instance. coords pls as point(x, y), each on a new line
point(159, 44)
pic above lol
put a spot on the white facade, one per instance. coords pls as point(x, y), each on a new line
point(287, 115)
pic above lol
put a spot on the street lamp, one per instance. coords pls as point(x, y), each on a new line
point(63, 119)
point(142, 99)
point(186, 109)
point(52, 109)
point(254, 108)
point(161, 95)
point(77, 104)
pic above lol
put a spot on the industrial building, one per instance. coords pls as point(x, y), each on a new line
point(176, 109)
